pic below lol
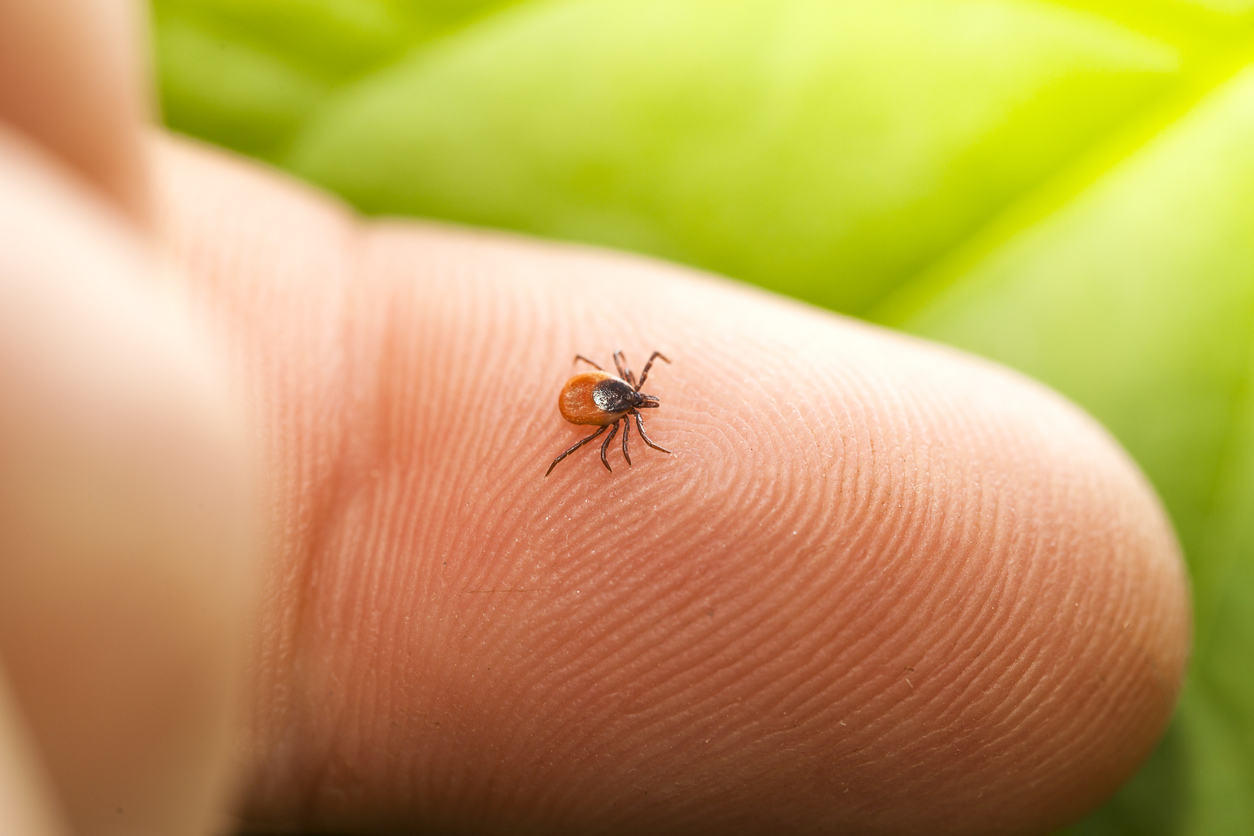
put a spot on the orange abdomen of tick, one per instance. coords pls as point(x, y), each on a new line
point(576, 403)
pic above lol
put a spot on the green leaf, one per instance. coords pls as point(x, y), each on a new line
point(800, 143)
point(246, 73)
point(1066, 187)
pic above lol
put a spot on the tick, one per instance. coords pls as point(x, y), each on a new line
point(601, 398)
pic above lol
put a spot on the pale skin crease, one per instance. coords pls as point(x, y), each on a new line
point(878, 588)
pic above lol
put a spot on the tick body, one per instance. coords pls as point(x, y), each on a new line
point(601, 399)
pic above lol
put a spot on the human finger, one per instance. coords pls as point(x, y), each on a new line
point(126, 523)
point(27, 802)
point(71, 81)
point(880, 587)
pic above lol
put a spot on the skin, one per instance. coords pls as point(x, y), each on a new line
point(313, 576)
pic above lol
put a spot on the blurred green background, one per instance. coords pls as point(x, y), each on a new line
point(1066, 187)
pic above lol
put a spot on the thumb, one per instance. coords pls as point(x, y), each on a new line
point(125, 522)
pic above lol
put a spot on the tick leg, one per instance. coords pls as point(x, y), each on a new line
point(645, 436)
point(625, 373)
point(626, 432)
point(657, 355)
point(605, 445)
point(579, 357)
point(581, 443)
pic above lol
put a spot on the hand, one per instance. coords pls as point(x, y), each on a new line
point(879, 586)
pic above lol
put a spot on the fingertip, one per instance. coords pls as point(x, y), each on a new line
point(878, 586)
point(890, 533)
